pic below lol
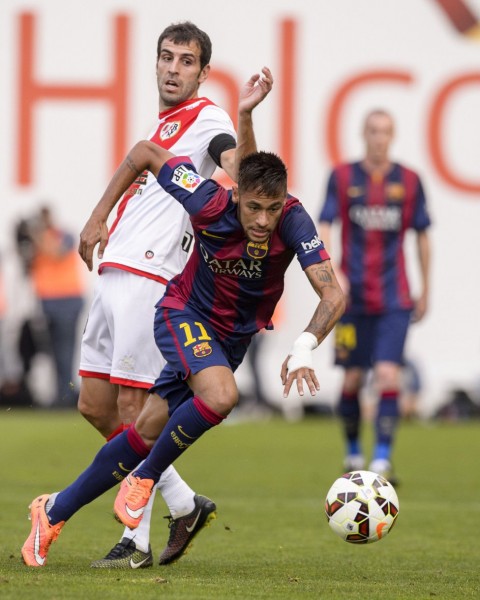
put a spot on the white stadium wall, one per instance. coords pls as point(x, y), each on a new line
point(68, 115)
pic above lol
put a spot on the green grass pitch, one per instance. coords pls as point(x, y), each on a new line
point(271, 538)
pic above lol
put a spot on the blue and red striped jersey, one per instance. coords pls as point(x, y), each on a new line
point(375, 213)
point(231, 281)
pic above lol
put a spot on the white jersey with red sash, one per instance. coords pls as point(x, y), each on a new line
point(151, 234)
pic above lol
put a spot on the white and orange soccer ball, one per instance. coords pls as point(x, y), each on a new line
point(361, 507)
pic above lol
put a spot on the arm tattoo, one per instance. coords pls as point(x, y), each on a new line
point(132, 166)
point(323, 274)
point(323, 320)
point(329, 310)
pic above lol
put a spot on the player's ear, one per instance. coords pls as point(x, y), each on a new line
point(235, 195)
point(204, 74)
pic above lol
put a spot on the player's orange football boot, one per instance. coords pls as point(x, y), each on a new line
point(35, 548)
point(131, 500)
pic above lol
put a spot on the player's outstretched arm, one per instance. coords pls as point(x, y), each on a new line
point(144, 155)
point(298, 366)
point(253, 92)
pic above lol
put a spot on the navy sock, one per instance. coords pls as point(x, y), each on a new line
point(386, 424)
point(111, 464)
point(190, 421)
point(349, 411)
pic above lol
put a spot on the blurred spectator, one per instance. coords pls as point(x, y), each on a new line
point(459, 406)
point(51, 258)
point(3, 311)
point(14, 390)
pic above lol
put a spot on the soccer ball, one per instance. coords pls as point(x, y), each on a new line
point(361, 507)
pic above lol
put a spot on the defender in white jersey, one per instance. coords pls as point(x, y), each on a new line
point(146, 246)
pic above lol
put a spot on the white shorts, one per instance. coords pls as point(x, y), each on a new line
point(118, 342)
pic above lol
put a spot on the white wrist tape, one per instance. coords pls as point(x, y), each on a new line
point(301, 352)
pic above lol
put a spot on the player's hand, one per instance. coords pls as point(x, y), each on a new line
point(95, 232)
point(255, 90)
point(419, 309)
point(300, 375)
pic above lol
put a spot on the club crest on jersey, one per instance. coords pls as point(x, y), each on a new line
point(255, 250)
point(395, 192)
point(169, 130)
point(355, 191)
point(201, 350)
point(186, 178)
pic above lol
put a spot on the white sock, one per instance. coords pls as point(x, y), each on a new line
point(178, 495)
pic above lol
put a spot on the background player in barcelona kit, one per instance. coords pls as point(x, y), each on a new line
point(244, 241)
point(147, 246)
point(376, 201)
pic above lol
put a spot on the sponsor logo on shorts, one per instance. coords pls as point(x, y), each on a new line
point(127, 363)
point(201, 350)
point(149, 254)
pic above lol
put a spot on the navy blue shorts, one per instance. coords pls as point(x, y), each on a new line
point(189, 344)
point(363, 340)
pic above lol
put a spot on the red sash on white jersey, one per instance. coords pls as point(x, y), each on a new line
point(176, 121)
point(173, 124)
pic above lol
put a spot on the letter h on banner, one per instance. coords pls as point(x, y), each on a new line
point(31, 92)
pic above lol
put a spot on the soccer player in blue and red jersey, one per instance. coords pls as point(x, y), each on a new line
point(376, 201)
point(245, 239)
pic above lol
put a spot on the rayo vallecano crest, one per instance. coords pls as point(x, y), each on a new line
point(255, 250)
point(169, 130)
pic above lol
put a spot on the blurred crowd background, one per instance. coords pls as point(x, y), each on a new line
point(78, 90)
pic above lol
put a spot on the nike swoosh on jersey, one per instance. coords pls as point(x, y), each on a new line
point(120, 464)
point(193, 525)
point(135, 565)
point(207, 233)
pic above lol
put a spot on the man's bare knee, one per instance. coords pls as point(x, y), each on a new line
point(152, 419)
point(130, 403)
point(97, 403)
